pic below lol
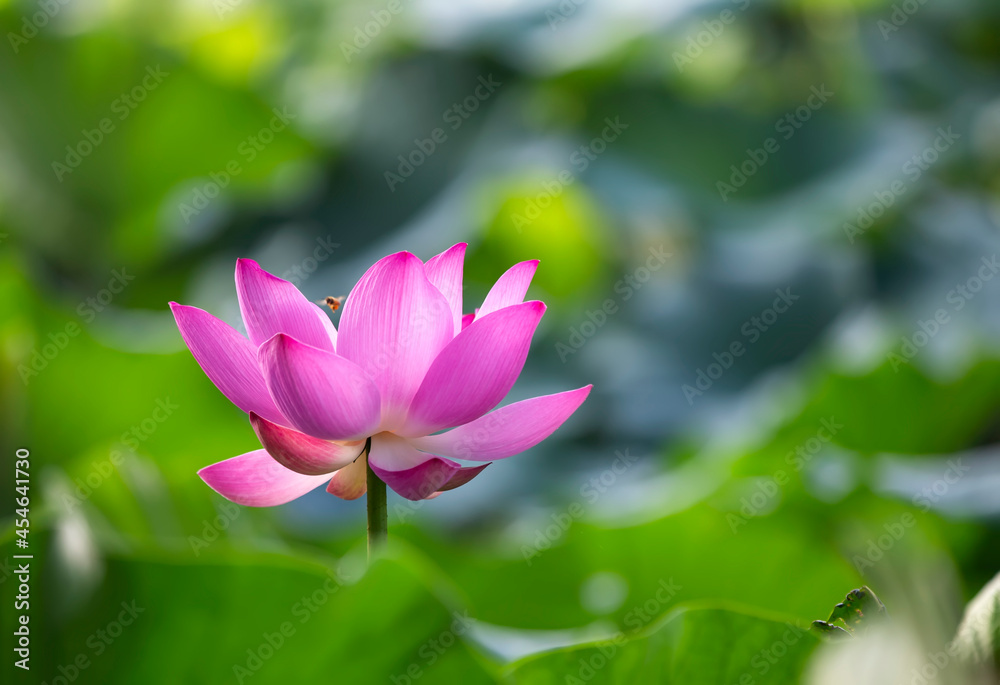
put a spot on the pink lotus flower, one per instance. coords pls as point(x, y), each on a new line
point(404, 366)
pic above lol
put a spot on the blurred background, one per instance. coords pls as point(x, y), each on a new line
point(768, 235)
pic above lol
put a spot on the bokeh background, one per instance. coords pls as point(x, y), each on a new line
point(815, 182)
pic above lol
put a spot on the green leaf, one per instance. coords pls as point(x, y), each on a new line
point(859, 611)
point(904, 411)
point(761, 564)
point(978, 636)
point(257, 620)
point(830, 631)
point(693, 646)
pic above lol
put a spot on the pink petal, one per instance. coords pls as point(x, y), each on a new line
point(272, 305)
point(321, 393)
point(464, 475)
point(475, 371)
point(303, 453)
point(467, 319)
point(393, 326)
point(351, 481)
point(445, 273)
point(509, 288)
point(506, 431)
point(255, 479)
point(413, 474)
point(227, 358)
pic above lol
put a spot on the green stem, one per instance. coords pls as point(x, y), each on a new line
point(378, 519)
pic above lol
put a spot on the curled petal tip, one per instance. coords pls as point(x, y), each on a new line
point(276, 339)
point(462, 476)
point(537, 306)
point(244, 264)
point(404, 254)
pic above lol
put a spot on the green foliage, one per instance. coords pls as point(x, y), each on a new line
point(859, 611)
point(740, 523)
point(308, 623)
point(978, 637)
point(692, 646)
